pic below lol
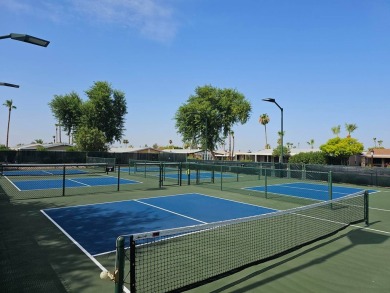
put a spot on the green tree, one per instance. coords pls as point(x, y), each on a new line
point(280, 134)
point(308, 158)
point(264, 120)
point(90, 139)
point(3, 147)
point(311, 143)
point(336, 130)
point(209, 115)
point(276, 152)
point(342, 148)
point(67, 109)
point(38, 140)
point(105, 111)
point(41, 148)
point(350, 128)
point(9, 104)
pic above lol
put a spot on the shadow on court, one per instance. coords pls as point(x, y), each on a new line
point(356, 237)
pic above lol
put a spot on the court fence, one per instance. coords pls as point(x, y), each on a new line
point(179, 259)
point(365, 176)
point(233, 178)
point(32, 181)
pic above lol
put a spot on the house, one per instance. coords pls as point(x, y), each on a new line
point(266, 155)
point(47, 146)
point(376, 158)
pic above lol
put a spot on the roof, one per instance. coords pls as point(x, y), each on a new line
point(133, 150)
point(268, 152)
point(182, 151)
point(48, 146)
point(378, 153)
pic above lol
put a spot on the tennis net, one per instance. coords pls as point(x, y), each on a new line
point(179, 259)
point(26, 170)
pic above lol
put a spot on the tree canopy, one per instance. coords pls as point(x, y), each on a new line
point(67, 110)
point(209, 115)
point(342, 148)
point(103, 114)
point(308, 158)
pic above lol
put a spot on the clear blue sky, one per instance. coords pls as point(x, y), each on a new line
point(326, 63)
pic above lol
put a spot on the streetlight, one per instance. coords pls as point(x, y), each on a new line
point(372, 158)
point(27, 39)
point(281, 127)
point(9, 84)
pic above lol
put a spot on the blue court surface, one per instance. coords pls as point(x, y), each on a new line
point(37, 172)
point(26, 185)
point(94, 228)
point(308, 190)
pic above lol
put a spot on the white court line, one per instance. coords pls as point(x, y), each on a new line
point(169, 211)
point(10, 181)
point(79, 182)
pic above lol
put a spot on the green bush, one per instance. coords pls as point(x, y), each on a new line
point(308, 158)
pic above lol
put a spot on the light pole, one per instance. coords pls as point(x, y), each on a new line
point(27, 39)
point(281, 126)
point(9, 84)
point(372, 158)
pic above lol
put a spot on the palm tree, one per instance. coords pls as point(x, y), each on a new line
point(126, 142)
point(264, 120)
point(380, 143)
point(336, 130)
point(311, 143)
point(350, 128)
point(280, 134)
point(374, 141)
point(10, 106)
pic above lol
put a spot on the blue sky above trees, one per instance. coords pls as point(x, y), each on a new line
point(326, 63)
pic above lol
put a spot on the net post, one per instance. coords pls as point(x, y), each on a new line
point(188, 173)
point(330, 191)
point(160, 179)
point(221, 176)
point(120, 264)
point(180, 173)
point(265, 183)
point(366, 208)
point(119, 177)
point(63, 180)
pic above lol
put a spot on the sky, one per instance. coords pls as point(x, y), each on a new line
point(326, 63)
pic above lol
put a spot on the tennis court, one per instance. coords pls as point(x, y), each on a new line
point(70, 182)
point(307, 190)
point(94, 229)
